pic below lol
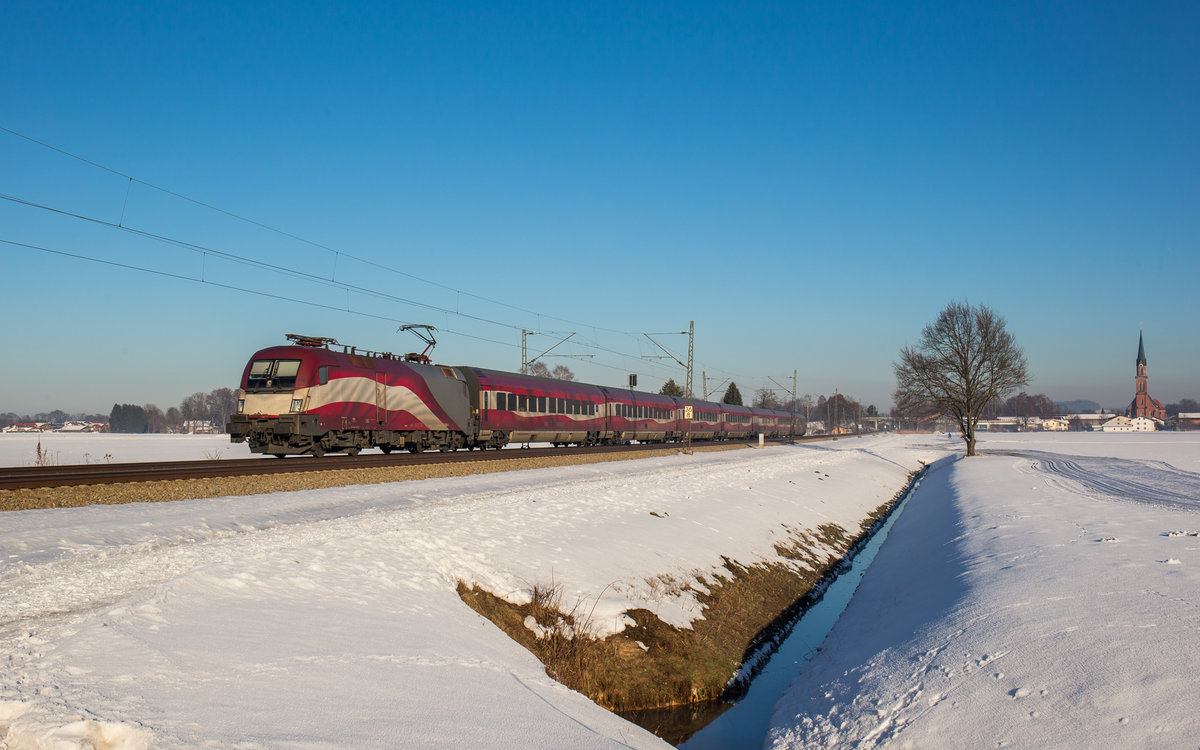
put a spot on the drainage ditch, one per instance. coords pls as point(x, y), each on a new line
point(741, 718)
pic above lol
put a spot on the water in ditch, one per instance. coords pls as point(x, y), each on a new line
point(743, 724)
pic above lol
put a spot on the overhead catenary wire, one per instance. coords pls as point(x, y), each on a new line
point(312, 243)
point(205, 251)
point(275, 268)
point(258, 292)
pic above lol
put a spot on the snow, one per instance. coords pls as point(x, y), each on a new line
point(64, 448)
point(329, 618)
point(1045, 594)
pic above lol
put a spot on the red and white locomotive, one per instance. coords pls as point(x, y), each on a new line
point(309, 398)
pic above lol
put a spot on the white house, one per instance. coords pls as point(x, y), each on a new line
point(1125, 424)
point(1055, 425)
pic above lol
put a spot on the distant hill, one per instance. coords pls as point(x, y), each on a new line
point(1078, 406)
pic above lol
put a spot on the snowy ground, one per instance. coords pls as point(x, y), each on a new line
point(329, 618)
point(1044, 595)
point(63, 448)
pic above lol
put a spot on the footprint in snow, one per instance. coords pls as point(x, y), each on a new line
point(1171, 561)
point(1108, 539)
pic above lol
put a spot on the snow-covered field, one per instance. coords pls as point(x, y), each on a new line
point(1044, 595)
point(329, 618)
point(62, 448)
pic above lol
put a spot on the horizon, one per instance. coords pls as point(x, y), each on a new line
point(183, 186)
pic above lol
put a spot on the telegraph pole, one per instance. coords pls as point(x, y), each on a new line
point(793, 394)
point(688, 389)
point(687, 448)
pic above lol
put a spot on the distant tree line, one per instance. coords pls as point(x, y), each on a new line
point(58, 416)
point(1185, 406)
point(214, 407)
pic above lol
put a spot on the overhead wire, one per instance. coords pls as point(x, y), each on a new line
point(131, 179)
point(275, 268)
point(248, 290)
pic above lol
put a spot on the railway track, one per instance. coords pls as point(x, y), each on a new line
point(29, 477)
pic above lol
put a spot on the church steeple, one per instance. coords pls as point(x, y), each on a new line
point(1143, 405)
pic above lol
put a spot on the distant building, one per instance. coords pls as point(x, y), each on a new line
point(1143, 405)
point(1127, 424)
point(1188, 421)
point(1055, 425)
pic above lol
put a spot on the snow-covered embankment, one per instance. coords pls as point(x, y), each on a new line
point(330, 618)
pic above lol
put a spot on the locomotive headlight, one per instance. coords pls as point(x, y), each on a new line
point(296, 404)
point(241, 406)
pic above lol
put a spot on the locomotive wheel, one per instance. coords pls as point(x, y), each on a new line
point(352, 450)
point(386, 449)
point(414, 448)
point(318, 451)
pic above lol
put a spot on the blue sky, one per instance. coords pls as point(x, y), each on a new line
point(810, 183)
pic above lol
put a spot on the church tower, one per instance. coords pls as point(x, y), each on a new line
point(1143, 405)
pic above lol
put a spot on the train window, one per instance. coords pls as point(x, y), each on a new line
point(261, 368)
point(522, 403)
point(501, 401)
point(541, 404)
point(323, 375)
point(273, 374)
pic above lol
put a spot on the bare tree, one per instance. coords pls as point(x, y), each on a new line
point(539, 370)
point(964, 360)
point(562, 372)
point(155, 421)
point(219, 404)
point(194, 407)
point(765, 398)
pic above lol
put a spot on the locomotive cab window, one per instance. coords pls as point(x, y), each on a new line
point(272, 375)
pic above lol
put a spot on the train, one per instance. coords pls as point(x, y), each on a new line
point(314, 396)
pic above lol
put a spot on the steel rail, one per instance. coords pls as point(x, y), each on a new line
point(30, 477)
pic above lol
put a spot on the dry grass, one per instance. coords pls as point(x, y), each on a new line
point(652, 664)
